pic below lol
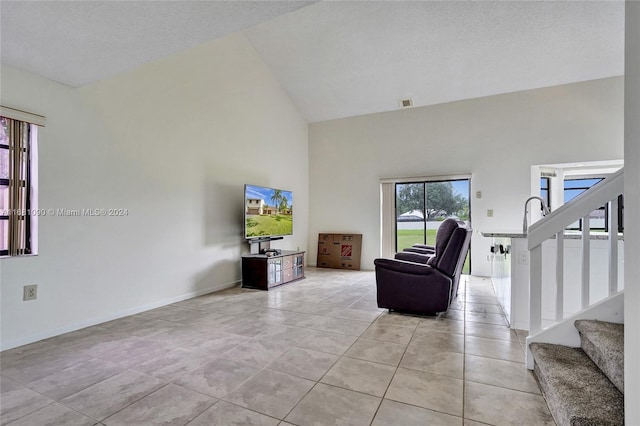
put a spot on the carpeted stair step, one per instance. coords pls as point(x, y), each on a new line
point(577, 392)
point(604, 343)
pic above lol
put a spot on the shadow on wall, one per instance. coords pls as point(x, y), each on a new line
point(220, 275)
point(223, 214)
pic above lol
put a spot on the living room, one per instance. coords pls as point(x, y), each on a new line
point(174, 141)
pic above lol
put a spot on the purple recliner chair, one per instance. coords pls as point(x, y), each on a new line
point(411, 287)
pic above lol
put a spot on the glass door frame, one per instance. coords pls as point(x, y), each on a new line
point(425, 181)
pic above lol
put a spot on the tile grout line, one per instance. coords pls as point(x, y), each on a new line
point(340, 357)
point(128, 405)
point(394, 375)
point(318, 381)
point(464, 346)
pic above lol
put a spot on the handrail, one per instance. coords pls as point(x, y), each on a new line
point(579, 207)
point(553, 225)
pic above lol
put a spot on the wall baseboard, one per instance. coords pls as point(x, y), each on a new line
point(6, 345)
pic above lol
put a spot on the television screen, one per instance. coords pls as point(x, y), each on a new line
point(268, 212)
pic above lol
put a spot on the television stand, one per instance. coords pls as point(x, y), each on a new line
point(271, 252)
point(265, 271)
point(262, 245)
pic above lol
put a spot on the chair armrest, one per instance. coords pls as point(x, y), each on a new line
point(419, 250)
point(424, 246)
point(413, 257)
point(404, 267)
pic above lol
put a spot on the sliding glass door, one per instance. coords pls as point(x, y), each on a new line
point(422, 206)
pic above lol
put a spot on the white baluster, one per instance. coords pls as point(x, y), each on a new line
point(586, 260)
point(535, 290)
point(613, 246)
point(559, 276)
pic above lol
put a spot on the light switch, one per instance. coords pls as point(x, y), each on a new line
point(523, 258)
point(478, 194)
point(490, 213)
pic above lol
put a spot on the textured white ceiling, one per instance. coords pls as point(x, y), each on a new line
point(80, 42)
point(335, 58)
point(346, 58)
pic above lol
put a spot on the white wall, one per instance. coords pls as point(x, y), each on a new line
point(173, 142)
point(632, 204)
point(497, 139)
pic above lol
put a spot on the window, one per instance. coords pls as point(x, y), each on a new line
point(575, 187)
point(4, 188)
point(420, 208)
point(599, 218)
point(17, 186)
point(545, 191)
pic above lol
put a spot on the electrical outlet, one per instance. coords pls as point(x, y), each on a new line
point(30, 292)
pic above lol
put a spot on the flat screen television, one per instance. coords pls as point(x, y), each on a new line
point(268, 212)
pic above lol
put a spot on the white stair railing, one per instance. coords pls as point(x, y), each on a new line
point(553, 226)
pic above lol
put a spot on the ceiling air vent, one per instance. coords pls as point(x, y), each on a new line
point(405, 103)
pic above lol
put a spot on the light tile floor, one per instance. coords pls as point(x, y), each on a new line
point(314, 352)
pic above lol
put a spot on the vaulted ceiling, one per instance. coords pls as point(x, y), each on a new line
point(335, 58)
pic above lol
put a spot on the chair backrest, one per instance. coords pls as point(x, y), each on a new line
point(452, 243)
point(462, 257)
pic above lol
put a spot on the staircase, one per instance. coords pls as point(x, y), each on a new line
point(584, 386)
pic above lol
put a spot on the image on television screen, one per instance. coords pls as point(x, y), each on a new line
point(268, 212)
